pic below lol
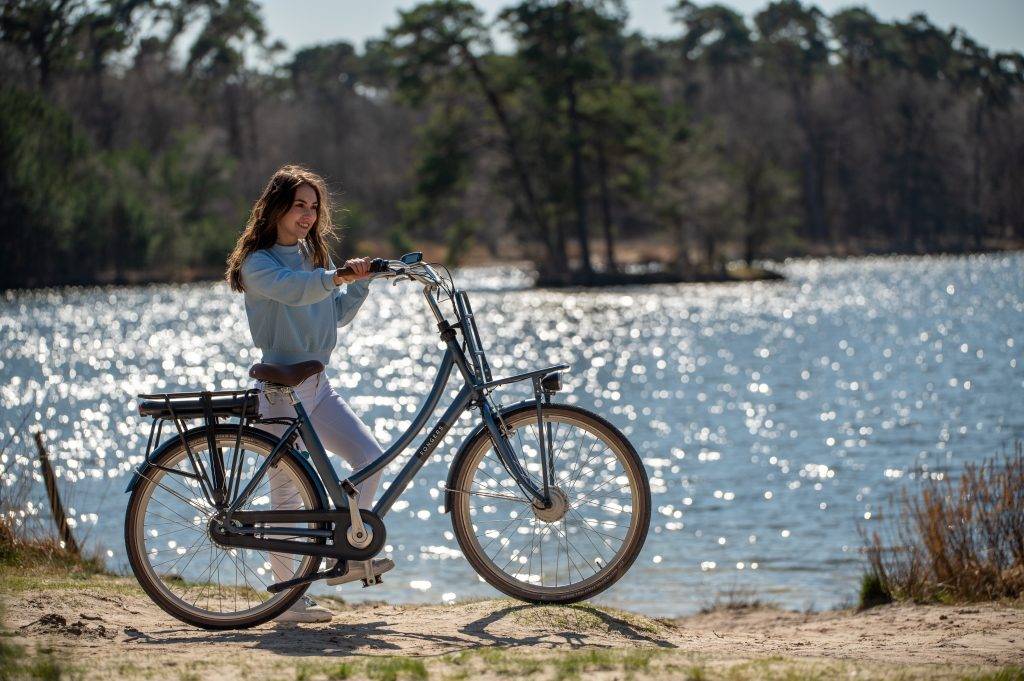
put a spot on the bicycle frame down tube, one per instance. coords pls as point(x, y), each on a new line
point(415, 463)
point(433, 397)
point(323, 465)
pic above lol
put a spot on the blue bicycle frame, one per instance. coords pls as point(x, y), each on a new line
point(478, 383)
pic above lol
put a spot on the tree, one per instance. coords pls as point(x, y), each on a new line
point(988, 83)
point(562, 47)
point(622, 124)
point(216, 62)
point(45, 31)
point(440, 40)
point(715, 35)
point(794, 45)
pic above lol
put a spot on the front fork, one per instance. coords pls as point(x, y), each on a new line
point(508, 457)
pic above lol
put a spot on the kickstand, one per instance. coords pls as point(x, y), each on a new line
point(373, 579)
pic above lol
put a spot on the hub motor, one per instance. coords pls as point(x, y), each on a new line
point(559, 507)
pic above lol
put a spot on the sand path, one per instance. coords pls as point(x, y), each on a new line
point(108, 627)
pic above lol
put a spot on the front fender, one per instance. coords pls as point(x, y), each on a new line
point(468, 442)
point(146, 466)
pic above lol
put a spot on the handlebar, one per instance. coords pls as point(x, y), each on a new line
point(376, 265)
point(417, 271)
point(396, 269)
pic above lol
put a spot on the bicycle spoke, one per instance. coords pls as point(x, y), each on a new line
point(487, 495)
point(183, 499)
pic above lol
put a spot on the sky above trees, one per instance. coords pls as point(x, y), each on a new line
point(999, 24)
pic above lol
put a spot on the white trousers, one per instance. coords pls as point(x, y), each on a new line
point(340, 431)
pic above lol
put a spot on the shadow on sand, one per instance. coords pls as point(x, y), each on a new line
point(382, 636)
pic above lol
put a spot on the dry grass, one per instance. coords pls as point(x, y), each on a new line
point(34, 554)
point(956, 540)
point(734, 597)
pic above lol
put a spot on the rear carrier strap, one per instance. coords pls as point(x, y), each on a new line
point(193, 405)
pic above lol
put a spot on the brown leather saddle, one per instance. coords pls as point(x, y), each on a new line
point(285, 374)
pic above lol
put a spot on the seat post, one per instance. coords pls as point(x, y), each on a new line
point(273, 389)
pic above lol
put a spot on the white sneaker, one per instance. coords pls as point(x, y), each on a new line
point(305, 611)
point(358, 570)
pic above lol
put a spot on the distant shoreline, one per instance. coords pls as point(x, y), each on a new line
point(735, 272)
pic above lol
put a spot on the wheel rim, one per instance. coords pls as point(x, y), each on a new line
point(177, 555)
point(517, 543)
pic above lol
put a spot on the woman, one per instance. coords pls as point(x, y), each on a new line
point(294, 308)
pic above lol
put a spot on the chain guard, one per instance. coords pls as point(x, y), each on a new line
point(340, 519)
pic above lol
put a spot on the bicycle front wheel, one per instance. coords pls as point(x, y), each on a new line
point(595, 527)
point(171, 550)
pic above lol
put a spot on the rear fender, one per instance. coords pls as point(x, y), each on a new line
point(145, 467)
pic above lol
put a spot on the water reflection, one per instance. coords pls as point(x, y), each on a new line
point(773, 417)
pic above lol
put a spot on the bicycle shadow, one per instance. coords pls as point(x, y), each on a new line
point(342, 638)
point(496, 628)
point(573, 638)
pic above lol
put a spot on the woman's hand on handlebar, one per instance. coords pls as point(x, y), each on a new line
point(353, 270)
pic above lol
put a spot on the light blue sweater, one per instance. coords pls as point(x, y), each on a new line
point(294, 309)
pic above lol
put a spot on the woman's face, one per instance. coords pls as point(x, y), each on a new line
point(299, 219)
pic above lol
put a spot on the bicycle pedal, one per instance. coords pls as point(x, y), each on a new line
point(372, 581)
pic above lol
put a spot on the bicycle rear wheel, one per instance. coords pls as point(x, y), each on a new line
point(173, 555)
point(590, 536)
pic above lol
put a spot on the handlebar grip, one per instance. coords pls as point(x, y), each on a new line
point(376, 265)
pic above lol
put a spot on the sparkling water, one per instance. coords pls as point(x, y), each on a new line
point(775, 419)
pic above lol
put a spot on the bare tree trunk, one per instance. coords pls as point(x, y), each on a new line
point(977, 221)
point(555, 250)
point(813, 182)
point(684, 266)
point(579, 182)
point(234, 120)
point(710, 250)
point(606, 208)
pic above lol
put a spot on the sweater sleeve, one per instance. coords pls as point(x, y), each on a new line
point(348, 302)
point(262, 275)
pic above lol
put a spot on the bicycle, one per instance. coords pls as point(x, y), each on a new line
point(550, 503)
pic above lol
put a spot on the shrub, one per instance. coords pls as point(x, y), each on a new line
point(955, 540)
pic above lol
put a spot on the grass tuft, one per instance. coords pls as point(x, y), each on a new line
point(572, 665)
point(339, 672)
point(1005, 674)
point(15, 663)
point(732, 599)
point(696, 673)
point(872, 592)
point(393, 668)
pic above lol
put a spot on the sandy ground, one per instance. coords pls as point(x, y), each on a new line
point(106, 628)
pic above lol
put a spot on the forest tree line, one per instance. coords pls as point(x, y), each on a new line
point(134, 134)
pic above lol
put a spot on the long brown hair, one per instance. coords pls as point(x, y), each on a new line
point(261, 229)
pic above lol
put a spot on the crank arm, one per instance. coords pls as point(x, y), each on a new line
point(338, 570)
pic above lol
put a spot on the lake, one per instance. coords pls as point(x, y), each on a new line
point(775, 418)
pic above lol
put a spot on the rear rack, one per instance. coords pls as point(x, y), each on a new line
point(209, 405)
